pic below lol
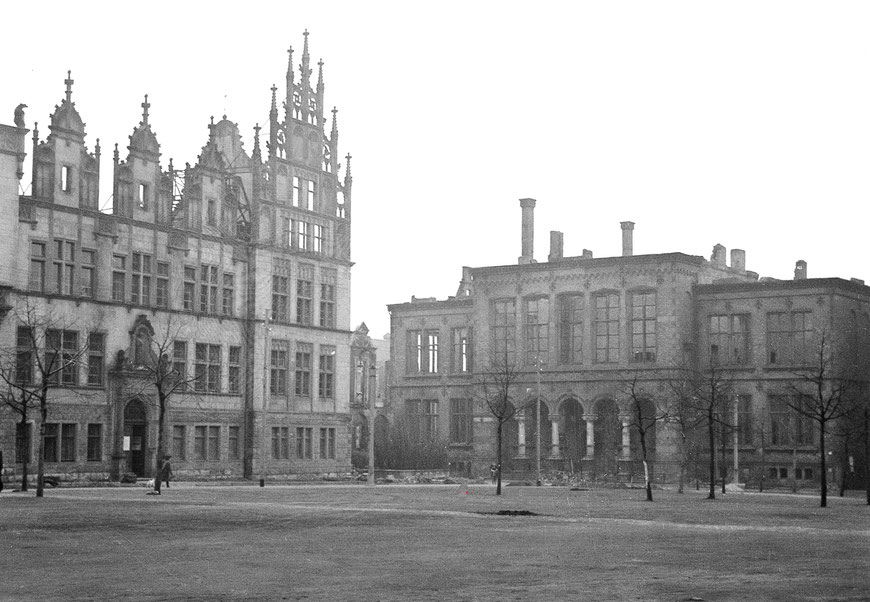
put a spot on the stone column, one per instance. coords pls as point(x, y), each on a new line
point(521, 437)
point(555, 452)
point(590, 436)
point(626, 439)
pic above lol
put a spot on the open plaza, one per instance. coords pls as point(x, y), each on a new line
point(460, 541)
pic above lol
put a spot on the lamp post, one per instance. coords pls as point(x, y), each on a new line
point(266, 363)
point(538, 419)
point(373, 373)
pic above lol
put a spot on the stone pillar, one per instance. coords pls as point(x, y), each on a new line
point(627, 239)
point(521, 437)
point(590, 436)
point(528, 231)
point(555, 452)
point(626, 439)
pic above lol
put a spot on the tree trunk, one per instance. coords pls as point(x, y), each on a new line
point(844, 465)
point(40, 450)
point(647, 483)
point(711, 435)
point(824, 470)
point(498, 437)
point(26, 456)
point(161, 427)
point(682, 477)
point(723, 470)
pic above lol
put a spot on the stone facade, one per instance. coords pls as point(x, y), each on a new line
point(236, 268)
point(580, 330)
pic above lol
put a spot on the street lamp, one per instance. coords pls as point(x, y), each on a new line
point(538, 419)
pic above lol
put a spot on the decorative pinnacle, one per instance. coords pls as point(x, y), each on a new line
point(320, 73)
point(274, 100)
point(305, 46)
point(348, 157)
point(69, 81)
point(145, 106)
point(257, 140)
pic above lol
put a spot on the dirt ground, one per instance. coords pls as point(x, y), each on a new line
point(429, 542)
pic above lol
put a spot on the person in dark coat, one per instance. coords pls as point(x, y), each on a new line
point(163, 474)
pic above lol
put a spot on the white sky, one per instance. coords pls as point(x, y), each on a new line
point(740, 123)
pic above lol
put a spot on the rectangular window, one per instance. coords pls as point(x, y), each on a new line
point(304, 294)
point(328, 278)
point(431, 351)
point(50, 442)
point(208, 289)
point(88, 275)
point(233, 443)
point(140, 279)
point(208, 368)
point(461, 350)
point(303, 369)
point(96, 358)
point(327, 444)
point(162, 290)
point(643, 327)
point(422, 417)
point(461, 421)
point(234, 372)
point(415, 352)
point(303, 240)
point(319, 238)
point(36, 278)
point(279, 298)
point(142, 196)
point(199, 444)
point(179, 361)
point(24, 356)
point(213, 444)
point(571, 329)
point(66, 178)
point(68, 442)
point(326, 380)
point(310, 197)
point(61, 348)
point(211, 212)
point(729, 339)
point(790, 340)
point(607, 328)
point(22, 442)
point(537, 331)
point(119, 277)
point(303, 443)
point(228, 295)
point(189, 298)
point(787, 426)
point(504, 330)
point(95, 442)
point(297, 191)
point(280, 443)
point(179, 442)
point(64, 267)
point(279, 367)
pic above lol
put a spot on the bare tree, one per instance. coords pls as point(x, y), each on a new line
point(823, 393)
point(46, 356)
point(645, 414)
point(21, 402)
point(682, 415)
point(494, 388)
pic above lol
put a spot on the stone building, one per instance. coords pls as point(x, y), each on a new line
point(235, 270)
point(581, 330)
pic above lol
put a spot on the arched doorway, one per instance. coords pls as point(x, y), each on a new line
point(135, 436)
point(573, 437)
point(607, 436)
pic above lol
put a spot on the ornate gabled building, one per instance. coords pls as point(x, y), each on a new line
point(235, 269)
point(578, 332)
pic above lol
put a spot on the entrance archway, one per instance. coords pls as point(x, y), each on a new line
point(135, 431)
point(608, 436)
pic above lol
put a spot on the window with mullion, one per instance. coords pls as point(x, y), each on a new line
point(537, 331)
point(504, 323)
point(303, 370)
point(643, 327)
point(607, 328)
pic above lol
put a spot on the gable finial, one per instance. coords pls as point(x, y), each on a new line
point(145, 106)
point(69, 81)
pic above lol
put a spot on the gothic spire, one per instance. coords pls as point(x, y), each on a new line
point(256, 154)
point(145, 106)
point(69, 81)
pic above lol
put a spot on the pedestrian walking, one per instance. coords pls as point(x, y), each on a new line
point(493, 473)
point(164, 473)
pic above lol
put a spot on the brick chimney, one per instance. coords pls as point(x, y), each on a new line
point(528, 233)
point(627, 238)
point(556, 246)
point(800, 270)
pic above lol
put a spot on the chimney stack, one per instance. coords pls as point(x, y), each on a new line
point(528, 234)
point(800, 270)
point(738, 260)
point(627, 241)
point(556, 246)
point(718, 257)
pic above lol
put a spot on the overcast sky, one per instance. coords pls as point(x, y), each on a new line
point(740, 123)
